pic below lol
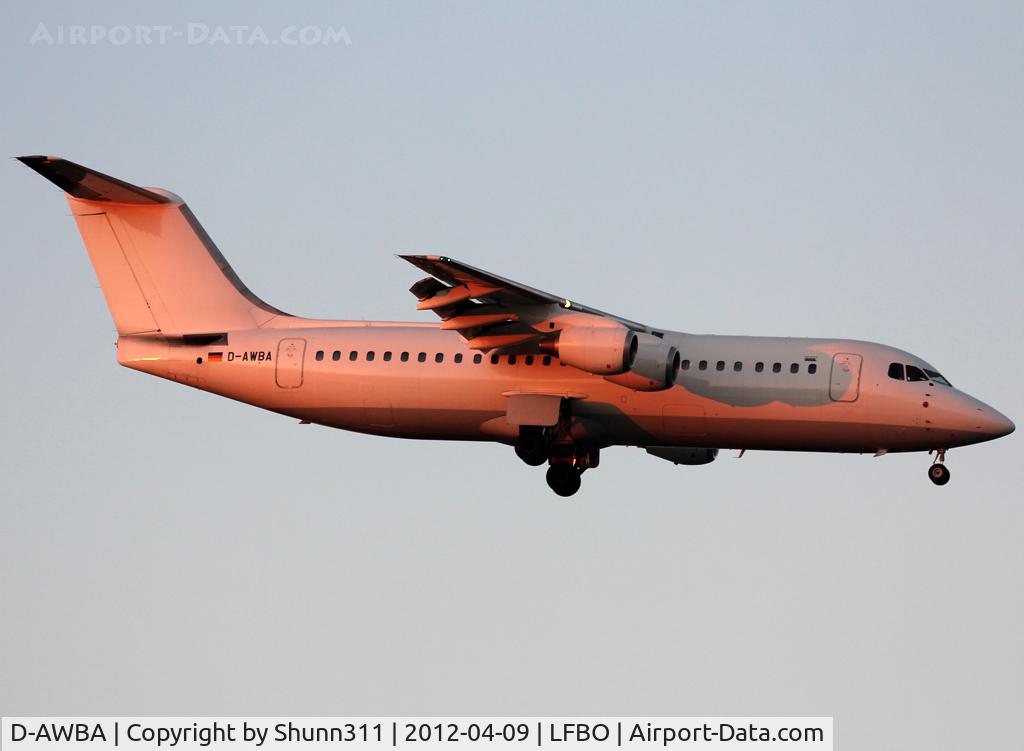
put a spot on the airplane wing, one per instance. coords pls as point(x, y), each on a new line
point(492, 312)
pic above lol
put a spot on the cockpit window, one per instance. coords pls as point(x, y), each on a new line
point(901, 372)
point(938, 377)
point(915, 374)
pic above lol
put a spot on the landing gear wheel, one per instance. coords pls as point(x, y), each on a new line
point(938, 474)
point(564, 479)
point(532, 455)
point(531, 446)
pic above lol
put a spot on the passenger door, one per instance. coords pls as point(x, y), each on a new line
point(290, 354)
point(844, 385)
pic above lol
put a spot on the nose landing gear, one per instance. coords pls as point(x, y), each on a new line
point(938, 473)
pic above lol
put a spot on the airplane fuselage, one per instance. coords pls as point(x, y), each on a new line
point(413, 380)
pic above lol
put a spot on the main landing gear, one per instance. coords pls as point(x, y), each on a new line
point(568, 460)
point(567, 464)
point(555, 445)
point(938, 473)
point(532, 446)
point(564, 479)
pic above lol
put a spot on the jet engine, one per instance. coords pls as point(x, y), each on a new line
point(683, 454)
point(655, 369)
point(602, 350)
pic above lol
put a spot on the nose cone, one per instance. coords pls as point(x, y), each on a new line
point(989, 422)
point(970, 420)
point(996, 424)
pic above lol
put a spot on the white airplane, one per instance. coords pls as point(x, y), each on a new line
point(557, 380)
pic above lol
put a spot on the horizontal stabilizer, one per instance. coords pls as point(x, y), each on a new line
point(87, 184)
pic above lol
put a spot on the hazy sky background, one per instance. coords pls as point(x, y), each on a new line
point(796, 169)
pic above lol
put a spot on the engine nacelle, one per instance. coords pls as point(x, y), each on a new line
point(683, 454)
point(655, 369)
point(602, 350)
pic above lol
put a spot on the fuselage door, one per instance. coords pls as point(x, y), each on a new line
point(844, 385)
point(290, 354)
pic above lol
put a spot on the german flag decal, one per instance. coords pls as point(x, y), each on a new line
point(214, 356)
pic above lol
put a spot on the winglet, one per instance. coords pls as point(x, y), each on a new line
point(87, 184)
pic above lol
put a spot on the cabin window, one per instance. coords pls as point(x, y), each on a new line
point(458, 357)
point(387, 357)
point(353, 355)
point(896, 371)
point(421, 357)
point(720, 365)
point(529, 359)
point(370, 355)
point(684, 365)
point(439, 357)
point(336, 355)
point(915, 374)
point(812, 368)
point(759, 367)
point(319, 355)
point(794, 367)
point(477, 359)
point(404, 357)
point(511, 359)
point(776, 367)
point(546, 360)
point(702, 365)
point(737, 366)
point(494, 359)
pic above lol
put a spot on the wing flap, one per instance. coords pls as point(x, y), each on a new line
point(465, 322)
point(447, 296)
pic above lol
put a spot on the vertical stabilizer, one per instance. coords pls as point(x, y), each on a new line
point(159, 270)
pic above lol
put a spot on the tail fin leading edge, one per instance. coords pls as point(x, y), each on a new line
point(159, 270)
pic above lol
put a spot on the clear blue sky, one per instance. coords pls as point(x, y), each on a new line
point(807, 169)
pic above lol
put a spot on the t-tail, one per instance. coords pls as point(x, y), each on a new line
point(159, 271)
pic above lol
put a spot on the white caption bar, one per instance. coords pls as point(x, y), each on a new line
point(308, 733)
